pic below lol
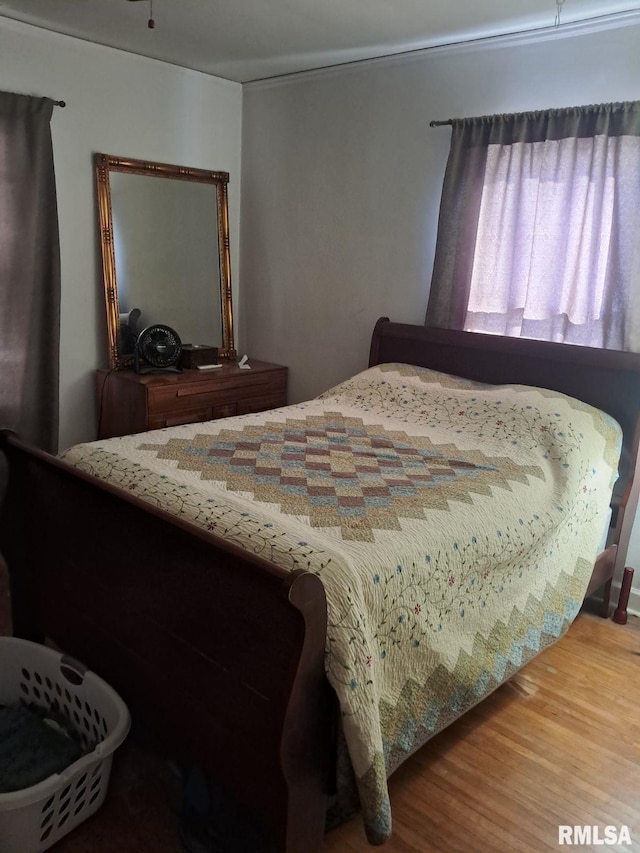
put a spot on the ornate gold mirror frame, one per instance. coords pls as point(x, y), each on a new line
point(105, 167)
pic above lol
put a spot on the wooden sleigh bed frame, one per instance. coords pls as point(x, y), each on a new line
point(216, 650)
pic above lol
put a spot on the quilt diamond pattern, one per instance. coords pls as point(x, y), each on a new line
point(341, 472)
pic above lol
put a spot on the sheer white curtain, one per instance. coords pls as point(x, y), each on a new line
point(540, 228)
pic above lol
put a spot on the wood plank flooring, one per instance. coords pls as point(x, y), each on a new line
point(559, 744)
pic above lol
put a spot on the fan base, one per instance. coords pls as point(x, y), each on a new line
point(147, 368)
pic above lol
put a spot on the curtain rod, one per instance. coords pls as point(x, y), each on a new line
point(440, 123)
point(59, 103)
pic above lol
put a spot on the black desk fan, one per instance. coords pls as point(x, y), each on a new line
point(157, 350)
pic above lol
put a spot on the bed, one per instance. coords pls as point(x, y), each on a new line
point(268, 593)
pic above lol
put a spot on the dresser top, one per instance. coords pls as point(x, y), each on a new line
point(227, 370)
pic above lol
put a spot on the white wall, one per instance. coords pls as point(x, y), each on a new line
point(342, 176)
point(124, 105)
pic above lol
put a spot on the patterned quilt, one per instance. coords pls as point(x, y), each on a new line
point(454, 526)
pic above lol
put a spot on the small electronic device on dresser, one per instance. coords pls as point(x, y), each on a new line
point(131, 402)
point(198, 355)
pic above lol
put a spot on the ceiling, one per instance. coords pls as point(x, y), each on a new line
point(247, 40)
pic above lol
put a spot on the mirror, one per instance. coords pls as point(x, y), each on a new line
point(164, 238)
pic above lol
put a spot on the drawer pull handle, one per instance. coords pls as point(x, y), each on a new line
point(193, 392)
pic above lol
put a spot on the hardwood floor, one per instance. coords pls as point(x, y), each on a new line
point(559, 744)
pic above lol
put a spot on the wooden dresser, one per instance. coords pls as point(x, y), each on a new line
point(129, 402)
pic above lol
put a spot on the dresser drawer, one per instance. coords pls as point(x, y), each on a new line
point(225, 410)
point(186, 416)
point(178, 398)
point(133, 402)
point(261, 404)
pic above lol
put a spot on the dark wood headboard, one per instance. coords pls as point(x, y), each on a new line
point(606, 379)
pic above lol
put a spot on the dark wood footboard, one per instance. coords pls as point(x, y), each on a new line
point(218, 651)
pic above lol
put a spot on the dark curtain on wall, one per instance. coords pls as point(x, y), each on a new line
point(539, 228)
point(29, 272)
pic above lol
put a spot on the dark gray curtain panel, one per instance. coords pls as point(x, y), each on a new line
point(29, 272)
point(525, 203)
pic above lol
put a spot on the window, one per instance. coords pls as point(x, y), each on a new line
point(539, 232)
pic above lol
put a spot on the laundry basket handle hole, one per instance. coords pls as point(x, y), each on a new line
point(72, 670)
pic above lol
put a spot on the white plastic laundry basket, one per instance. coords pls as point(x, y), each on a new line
point(33, 819)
